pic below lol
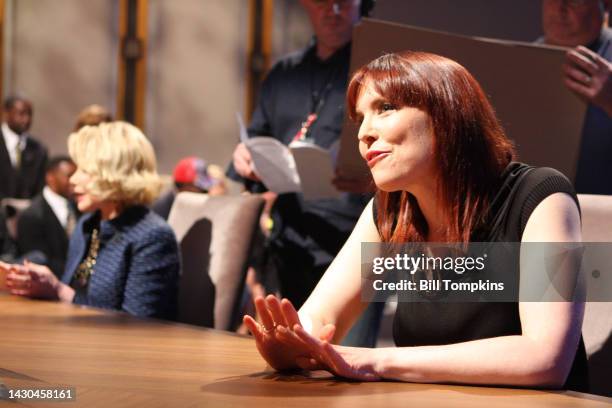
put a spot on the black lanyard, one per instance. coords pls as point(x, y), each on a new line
point(317, 102)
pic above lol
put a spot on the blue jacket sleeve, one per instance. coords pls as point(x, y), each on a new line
point(152, 282)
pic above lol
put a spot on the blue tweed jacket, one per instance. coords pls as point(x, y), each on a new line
point(137, 267)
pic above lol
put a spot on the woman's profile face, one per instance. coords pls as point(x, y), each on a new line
point(86, 201)
point(396, 142)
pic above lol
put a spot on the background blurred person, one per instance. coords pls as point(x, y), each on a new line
point(22, 158)
point(121, 255)
point(195, 175)
point(8, 246)
point(582, 25)
point(92, 115)
point(47, 224)
point(302, 98)
point(306, 234)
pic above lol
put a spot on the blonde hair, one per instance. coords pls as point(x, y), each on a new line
point(92, 115)
point(120, 161)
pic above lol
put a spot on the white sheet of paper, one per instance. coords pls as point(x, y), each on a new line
point(314, 166)
point(274, 164)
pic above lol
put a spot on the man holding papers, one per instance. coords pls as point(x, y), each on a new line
point(302, 101)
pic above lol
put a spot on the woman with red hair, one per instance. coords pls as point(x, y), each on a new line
point(444, 171)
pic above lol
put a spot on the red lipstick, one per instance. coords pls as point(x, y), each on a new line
point(374, 156)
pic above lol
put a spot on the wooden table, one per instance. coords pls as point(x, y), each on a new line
point(115, 360)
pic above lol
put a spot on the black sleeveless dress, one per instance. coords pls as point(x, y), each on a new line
point(522, 188)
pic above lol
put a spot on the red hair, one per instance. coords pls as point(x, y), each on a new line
point(470, 147)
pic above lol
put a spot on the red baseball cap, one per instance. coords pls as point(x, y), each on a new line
point(193, 170)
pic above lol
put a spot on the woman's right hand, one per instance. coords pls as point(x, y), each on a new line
point(32, 280)
point(274, 336)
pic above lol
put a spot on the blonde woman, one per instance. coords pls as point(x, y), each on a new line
point(121, 256)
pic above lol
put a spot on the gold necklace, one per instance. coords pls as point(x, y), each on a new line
point(85, 269)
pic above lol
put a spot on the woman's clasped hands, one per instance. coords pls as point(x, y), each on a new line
point(284, 343)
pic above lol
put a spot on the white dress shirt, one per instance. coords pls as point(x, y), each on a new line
point(11, 141)
point(58, 204)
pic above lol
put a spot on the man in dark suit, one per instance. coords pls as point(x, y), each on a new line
point(44, 228)
point(22, 158)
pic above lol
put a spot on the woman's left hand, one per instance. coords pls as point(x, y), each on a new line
point(349, 362)
point(32, 280)
point(276, 343)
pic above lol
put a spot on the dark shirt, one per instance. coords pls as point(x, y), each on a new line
point(594, 174)
point(521, 189)
point(137, 266)
point(292, 90)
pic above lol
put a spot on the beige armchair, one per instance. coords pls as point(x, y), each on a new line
point(215, 236)
point(12, 208)
point(597, 326)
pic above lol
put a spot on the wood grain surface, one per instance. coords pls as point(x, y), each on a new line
point(115, 360)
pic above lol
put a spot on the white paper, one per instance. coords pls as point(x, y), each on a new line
point(274, 164)
point(302, 167)
point(315, 169)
